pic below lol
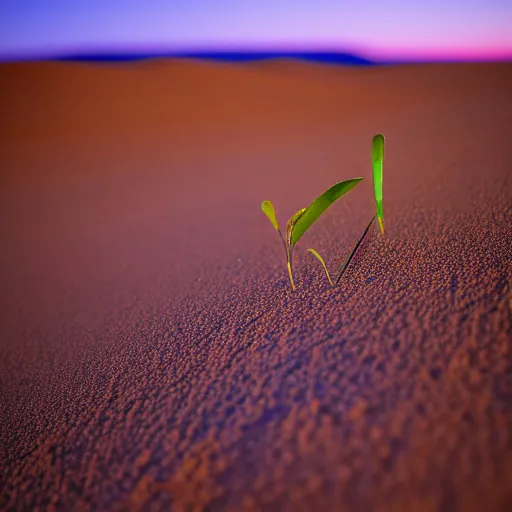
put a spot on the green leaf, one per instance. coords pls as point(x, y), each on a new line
point(377, 163)
point(321, 260)
point(268, 209)
point(291, 224)
point(319, 205)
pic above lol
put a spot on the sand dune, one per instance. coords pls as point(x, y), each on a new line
point(152, 353)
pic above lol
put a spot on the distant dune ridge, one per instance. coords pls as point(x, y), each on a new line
point(325, 57)
point(153, 356)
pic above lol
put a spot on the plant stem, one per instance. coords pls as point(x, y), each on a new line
point(329, 277)
point(381, 224)
point(284, 243)
point(354, 250)
point(288, 252)
point(289, 266)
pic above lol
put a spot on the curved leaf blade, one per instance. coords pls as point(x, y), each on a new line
point(268, 209)
point(377, 163)
point(321, 260)
point(291, 224)
point(319, 205)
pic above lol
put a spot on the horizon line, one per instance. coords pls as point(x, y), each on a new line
point(254, 53)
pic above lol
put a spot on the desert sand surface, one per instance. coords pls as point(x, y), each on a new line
point(153, 355)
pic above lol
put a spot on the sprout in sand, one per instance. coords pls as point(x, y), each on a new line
point(377, 164)
point(304, 218)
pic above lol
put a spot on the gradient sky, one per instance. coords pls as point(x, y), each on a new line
point(469, 29)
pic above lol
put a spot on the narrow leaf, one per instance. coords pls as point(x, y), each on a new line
point(268, 209)
point(319, 205)
point(377, 163)
point(315, 253)
point(291, 224)
point(347, 263)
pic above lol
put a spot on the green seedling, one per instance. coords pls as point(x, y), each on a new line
point(377, 164)
point(289, 230)
point(268, 209)
point(304, 218)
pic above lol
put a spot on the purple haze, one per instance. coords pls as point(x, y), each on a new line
point(432, 29)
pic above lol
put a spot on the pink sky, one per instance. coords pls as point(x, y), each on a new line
point(393, 29)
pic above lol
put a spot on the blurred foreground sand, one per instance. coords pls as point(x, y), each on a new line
point(152, 353)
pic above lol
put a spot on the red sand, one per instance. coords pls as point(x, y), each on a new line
point(152, 353)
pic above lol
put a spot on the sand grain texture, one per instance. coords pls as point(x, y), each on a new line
point(152, 354)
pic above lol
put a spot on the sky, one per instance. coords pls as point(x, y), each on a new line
point(377, 29)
